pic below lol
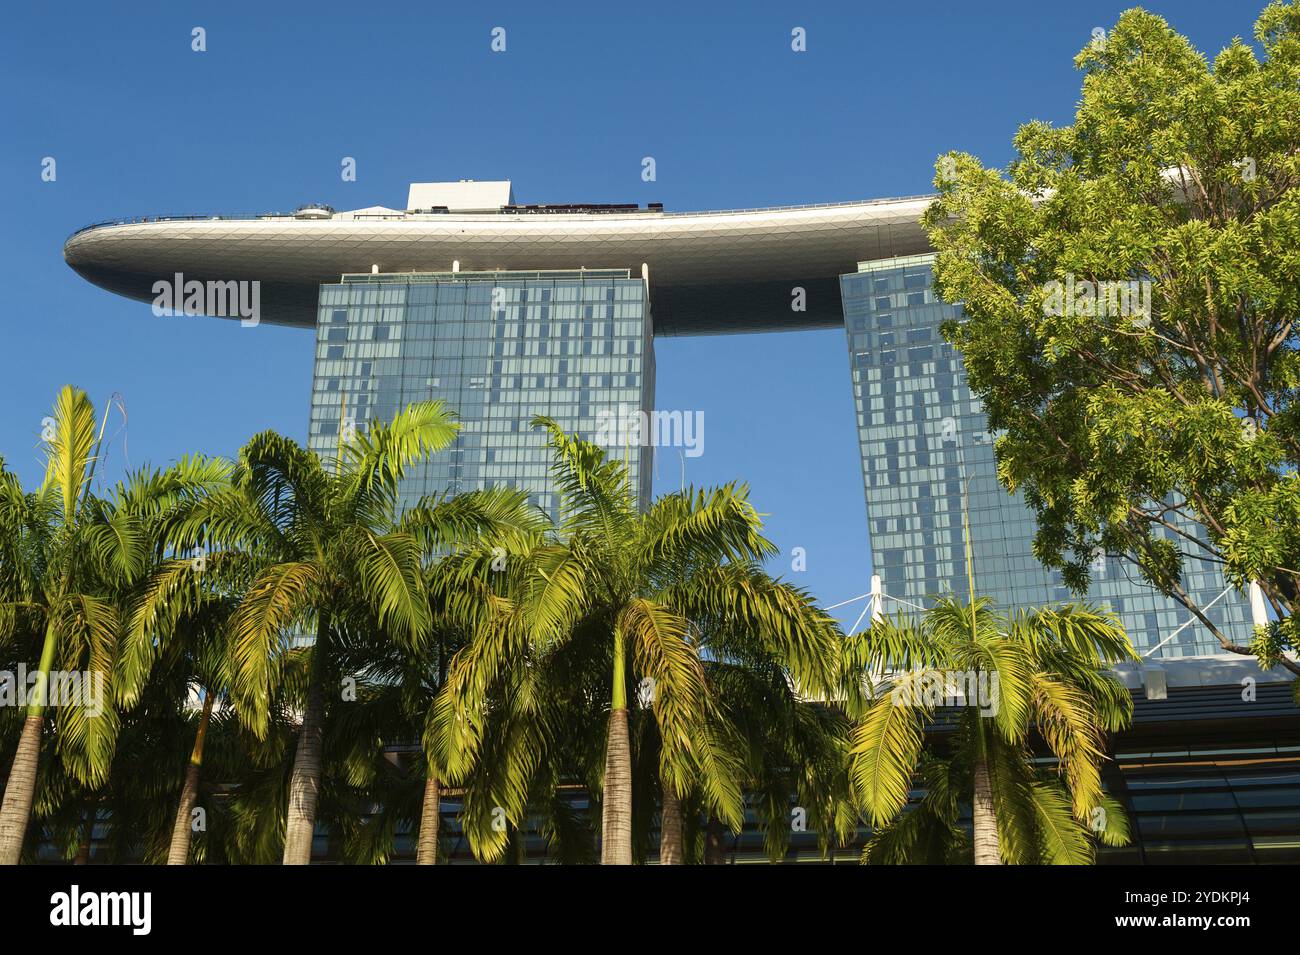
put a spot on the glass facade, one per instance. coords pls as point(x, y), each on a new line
point(498, 348)
point(922, 435)
point(1226, 798)
point(1209, 795)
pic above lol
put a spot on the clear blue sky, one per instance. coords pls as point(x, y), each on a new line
point(139, 124)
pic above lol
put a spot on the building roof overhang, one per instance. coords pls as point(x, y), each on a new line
point(710, 272)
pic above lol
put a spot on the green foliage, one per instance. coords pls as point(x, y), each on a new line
point(1017, 680)
point(476, 626)
point(718, 653)
point(1167, 434)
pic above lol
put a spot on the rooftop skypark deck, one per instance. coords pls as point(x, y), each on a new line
point(710, 272)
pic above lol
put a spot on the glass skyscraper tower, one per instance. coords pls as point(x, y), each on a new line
point(923, 436)
point(498, 348)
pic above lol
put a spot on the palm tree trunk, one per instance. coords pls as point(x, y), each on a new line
point(985, 837)
point(17, 808)
point(426, 850)
point(516, 849)
point(714, 851)
point(670, 827)
point(616, 806)
point(21, 785)
point(304, 784)
point(87, 834)
point(178, 853)
point(616, 809)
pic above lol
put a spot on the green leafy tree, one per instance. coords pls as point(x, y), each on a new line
point(1158, 423)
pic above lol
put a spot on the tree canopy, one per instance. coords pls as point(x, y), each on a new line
point(1131, 284)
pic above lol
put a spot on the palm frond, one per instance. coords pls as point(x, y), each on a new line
point(885, 746)
point(278, 598)
point(68, 452)
point(391, 579)
point(1062, 839)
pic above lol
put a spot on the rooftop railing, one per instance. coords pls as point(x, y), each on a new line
point(139, 220)
point(485, 275)
point(807, 205)
point(655, 208)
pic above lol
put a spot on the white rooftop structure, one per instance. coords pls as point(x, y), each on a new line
point(467, 195)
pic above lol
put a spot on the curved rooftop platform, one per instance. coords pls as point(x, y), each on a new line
point(710, 272)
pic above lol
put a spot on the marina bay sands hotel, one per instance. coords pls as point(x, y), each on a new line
point(505, 311)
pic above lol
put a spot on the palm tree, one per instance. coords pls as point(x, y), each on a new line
point(771, 661)
point(396, 682)
point(789, 745)
point(514, 720)
point(395, 692)
point(491, 522)
point(194, 647)
point(598, 593)
point(130, 811)
point(319, 537)
point(128, 794)
point(64, 555)
point(178, 616)
point(323, 553)
point(1042, 672)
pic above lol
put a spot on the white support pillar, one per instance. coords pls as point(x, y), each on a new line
point(877, 599)
point(1258, 610)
